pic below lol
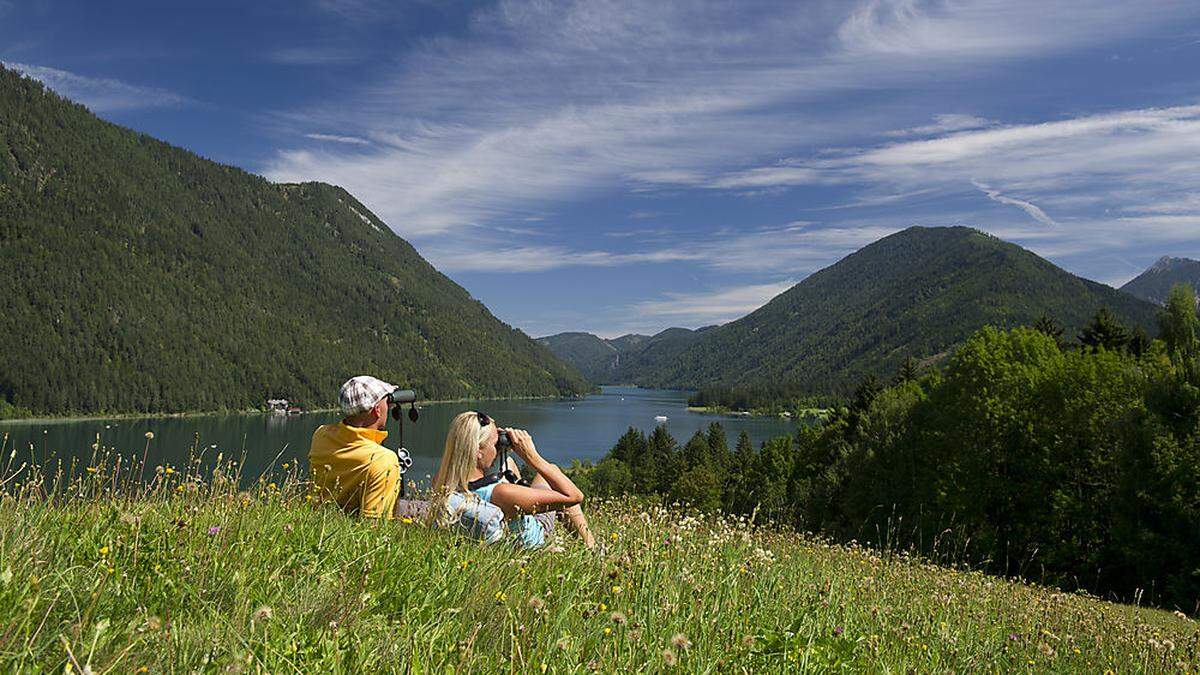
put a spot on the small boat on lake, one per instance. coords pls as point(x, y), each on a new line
point(660, 418)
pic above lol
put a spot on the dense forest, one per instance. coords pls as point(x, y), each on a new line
point(1068, 459)
point(621, 360)
point(916, 293)
point(141, 277)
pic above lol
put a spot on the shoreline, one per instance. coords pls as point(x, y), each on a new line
point(224, 413)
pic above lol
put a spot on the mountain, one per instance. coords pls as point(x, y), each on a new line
point(620, 360)
point(141, 277)
point(915, 293)
point(594, 357)
point(1155, 283)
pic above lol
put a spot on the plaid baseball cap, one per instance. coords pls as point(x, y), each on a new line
point(361, 393)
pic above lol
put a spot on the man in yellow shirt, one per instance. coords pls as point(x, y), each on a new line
point(349, 463)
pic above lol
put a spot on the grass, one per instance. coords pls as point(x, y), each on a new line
point(185, 572)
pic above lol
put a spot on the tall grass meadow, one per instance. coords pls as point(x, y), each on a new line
point(123, 566)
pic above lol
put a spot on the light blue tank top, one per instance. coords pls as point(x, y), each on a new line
point(528, 530)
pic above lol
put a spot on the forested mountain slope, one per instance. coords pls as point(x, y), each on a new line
point(594, 357)
point(141, 277)
point(620, 360)
point(915, 293)
point(1155, 283)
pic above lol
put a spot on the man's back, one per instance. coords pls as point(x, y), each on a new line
point(351, 467)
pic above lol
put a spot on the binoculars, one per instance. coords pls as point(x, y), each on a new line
point(398, 398)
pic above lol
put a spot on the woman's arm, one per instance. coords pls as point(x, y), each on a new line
point(516, 500)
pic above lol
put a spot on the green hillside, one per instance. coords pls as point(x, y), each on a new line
point(621, 360)
point(594, 357)
point(141, 277)
point(915, 293)
point(1155, 283)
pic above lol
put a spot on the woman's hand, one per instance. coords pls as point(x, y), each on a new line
point(522, 445)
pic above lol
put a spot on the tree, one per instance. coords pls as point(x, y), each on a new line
point(1105, 332)
point(1179, 324)
point(1047, 325)
point(908, 371)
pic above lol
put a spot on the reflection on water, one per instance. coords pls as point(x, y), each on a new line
point(563, 429)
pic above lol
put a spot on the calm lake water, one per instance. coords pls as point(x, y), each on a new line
point(562, 429)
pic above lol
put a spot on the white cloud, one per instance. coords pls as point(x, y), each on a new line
point(793, 248)
point(552, 102)
point(1032, 209)
point(333, 138)
point(100, 94)
point(943, 124)
point(709, 307)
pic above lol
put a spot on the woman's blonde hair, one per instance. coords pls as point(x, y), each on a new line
point(463, 439)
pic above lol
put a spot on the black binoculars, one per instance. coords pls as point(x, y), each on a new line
point(398, 398)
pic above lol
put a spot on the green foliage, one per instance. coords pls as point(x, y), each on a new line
point(141, 277)
point(1105, 332)
point(1077, 467)
point(1180, 328)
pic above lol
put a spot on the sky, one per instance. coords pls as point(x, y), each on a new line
point(615, 167)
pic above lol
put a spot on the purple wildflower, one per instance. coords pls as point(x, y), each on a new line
point(837, 632)
point(213, 530)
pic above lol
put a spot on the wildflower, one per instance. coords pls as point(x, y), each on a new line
point(143, 669)
point(837, 632)
point(603, 607)
point(263, 613)
point(680, 641)
point(212, 531)
point(169, 471)
point(285, 466)
point(500, 597)
point(669, 658)
point(179, 488)
point(536, 604)
point(463, 564)
point(616, 590)
point(618, 618)
point(92, 469)
point(149, 437)
point(1076, 650)
point(103, 550)
point(406, 520)
point(607, 630)
point(111, 570)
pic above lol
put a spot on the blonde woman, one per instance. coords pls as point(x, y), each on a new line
point(529, 512)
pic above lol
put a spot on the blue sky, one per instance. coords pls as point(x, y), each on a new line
point(620, 167)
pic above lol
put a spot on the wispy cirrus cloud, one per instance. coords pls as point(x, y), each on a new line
point(101, 94)
point(709, 307)
point(334, 138)
point(1032, 209)
point(98, 93)
point(599, 96)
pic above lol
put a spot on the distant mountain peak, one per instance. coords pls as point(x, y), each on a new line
point(1168, 263)
point(1156, 282)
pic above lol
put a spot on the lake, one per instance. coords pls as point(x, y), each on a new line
point(562, 429)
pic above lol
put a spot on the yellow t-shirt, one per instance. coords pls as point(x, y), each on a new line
point(351, 467)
